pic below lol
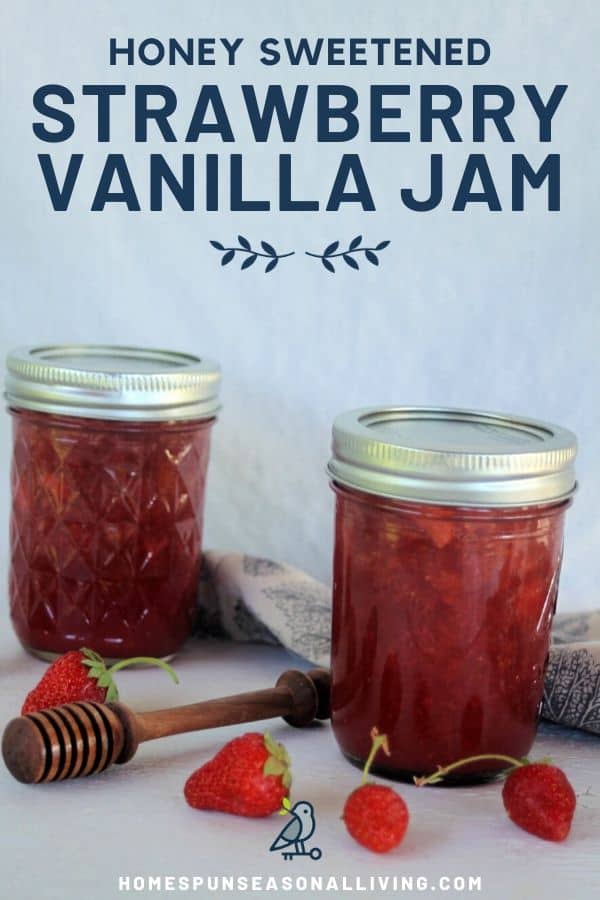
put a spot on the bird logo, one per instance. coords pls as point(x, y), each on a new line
point(292, 839)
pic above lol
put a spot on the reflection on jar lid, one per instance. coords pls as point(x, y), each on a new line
point(453, 456)
point(105, 382)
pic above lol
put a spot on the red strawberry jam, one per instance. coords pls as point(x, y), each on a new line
point(441, 612)
point(106, 527)
point(106, 533)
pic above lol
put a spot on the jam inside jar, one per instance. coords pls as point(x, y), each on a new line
point(441, 612)
point(441, 628)
point(106, 525)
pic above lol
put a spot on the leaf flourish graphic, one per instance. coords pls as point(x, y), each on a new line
point(245, 247)
point(268, 252)
point(349, 255)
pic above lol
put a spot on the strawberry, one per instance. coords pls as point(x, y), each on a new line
point(537, 796)
point(375, 815)
point(249, 776)
point(81, 675)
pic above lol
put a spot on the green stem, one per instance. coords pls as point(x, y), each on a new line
point(442, 771)
point(379, 741)
point(145, 660)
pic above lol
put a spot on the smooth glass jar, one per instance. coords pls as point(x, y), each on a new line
point(442, 610)
point(110, 453)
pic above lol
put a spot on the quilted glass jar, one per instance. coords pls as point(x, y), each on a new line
point(448, 546)
point(110, 453)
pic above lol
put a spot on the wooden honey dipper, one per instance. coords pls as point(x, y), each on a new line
point(85, 738)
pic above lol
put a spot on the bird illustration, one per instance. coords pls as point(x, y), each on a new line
point(298, 830)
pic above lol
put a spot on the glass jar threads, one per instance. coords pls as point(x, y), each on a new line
point(110, 452)
point(448, 545)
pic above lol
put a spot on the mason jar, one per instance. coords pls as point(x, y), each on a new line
point(110, 452)
point(448, 546)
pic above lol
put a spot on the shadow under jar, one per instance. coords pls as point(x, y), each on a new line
point(448, 546)
point(110, 453)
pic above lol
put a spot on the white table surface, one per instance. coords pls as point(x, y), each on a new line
point(74, 840)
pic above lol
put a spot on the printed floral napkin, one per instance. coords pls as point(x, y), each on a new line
point(246, 598)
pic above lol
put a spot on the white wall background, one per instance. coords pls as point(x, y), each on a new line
point(478, 309)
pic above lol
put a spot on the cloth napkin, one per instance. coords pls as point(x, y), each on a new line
point(245, 598)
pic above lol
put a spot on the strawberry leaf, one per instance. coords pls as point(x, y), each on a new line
point(96, 671)
point(278, 761)
point(273, 766)
point(275, 748)
point(112, 694)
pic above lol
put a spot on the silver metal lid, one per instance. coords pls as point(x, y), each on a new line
point(112, 382)
point(457, 457)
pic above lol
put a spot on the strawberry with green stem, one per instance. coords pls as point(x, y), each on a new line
point(249, 776)
point(537, 796)
point(83, 675)
point(374, 814)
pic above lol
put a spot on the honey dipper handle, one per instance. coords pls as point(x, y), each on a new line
point(298, 696)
